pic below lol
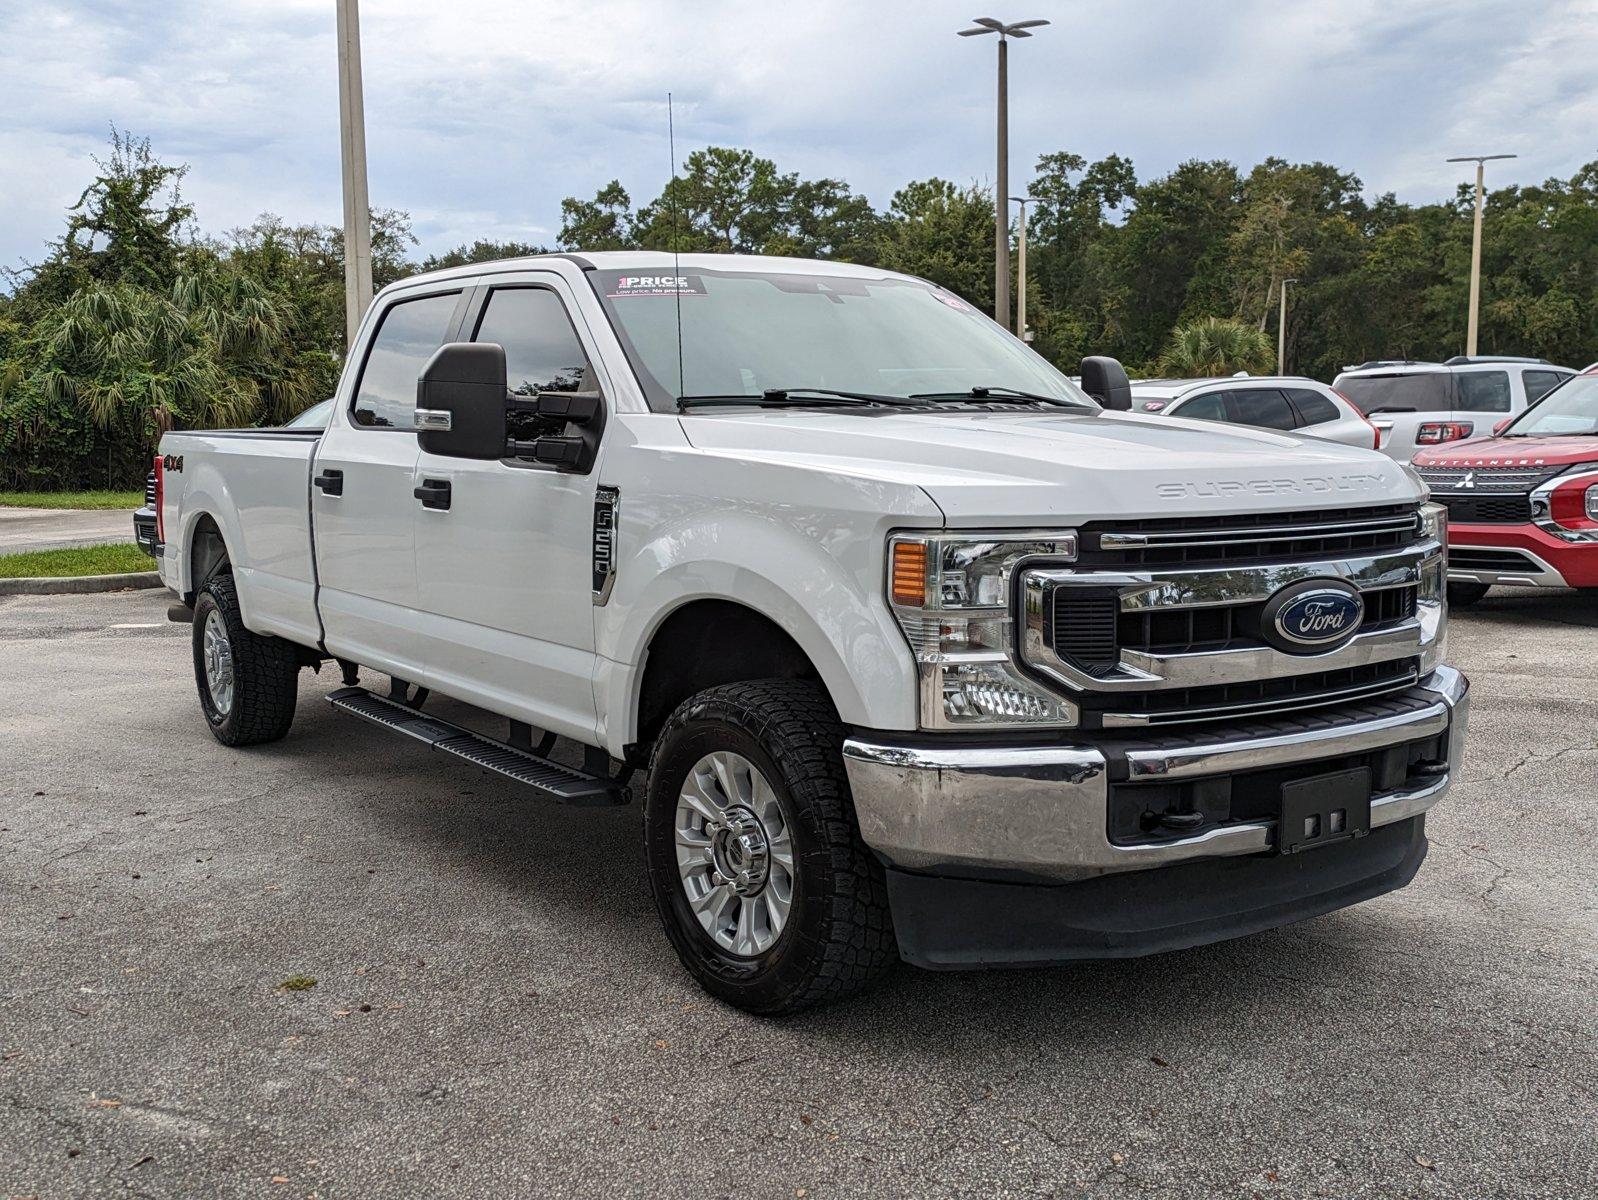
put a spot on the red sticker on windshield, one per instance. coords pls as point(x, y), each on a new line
point(951, 300)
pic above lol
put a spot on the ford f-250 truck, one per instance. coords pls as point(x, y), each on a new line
point(1523, 504)
point(926, 651)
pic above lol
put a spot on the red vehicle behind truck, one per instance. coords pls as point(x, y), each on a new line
point(1523, 504)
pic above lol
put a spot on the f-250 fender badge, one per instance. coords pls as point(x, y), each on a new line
point(605, 501)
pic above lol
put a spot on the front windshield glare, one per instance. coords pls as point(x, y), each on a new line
point(1570, 409)
point(748, 332)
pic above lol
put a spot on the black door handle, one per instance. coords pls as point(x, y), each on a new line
point(331, 482)
point(433, 493)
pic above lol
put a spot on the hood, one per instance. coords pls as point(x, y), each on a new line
point(1512, 452)
point(1032, 467)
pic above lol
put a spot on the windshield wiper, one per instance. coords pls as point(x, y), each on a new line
point(999, 395)
point(800, 397)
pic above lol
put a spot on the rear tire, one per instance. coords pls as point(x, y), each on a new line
point(248, 682)
point(752, 773)
point(1463, 595)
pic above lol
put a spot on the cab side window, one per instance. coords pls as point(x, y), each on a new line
point(1482, 391)
point(542, 353)
point(410, 331)
point(1263, 408)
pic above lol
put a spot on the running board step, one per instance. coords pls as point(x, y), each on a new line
point(557, 782)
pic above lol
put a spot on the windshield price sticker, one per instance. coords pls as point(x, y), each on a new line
point(951, 300)
point(655, 285)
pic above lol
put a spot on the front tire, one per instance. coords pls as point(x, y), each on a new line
point(1463, 595)
point(767, 892)
point(248, 682)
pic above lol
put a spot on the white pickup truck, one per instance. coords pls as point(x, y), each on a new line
point(926, 651)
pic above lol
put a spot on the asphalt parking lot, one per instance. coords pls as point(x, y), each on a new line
point(496, 1012)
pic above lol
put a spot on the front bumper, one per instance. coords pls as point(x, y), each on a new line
point(958, 821)
point(1524, 555)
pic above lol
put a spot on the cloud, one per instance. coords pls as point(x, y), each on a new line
point(481, 116)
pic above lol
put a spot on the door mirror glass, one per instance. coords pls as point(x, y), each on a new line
point(1501, 426)
point(1105, 380)
point(460, 401)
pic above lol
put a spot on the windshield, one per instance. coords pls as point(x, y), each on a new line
point(1571, 408)
point(748, 332)
point(1415, 391)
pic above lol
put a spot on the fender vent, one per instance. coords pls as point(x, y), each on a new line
point(1082, 627)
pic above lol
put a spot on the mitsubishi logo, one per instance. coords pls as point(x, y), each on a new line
point(1469, 481)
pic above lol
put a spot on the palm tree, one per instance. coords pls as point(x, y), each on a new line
point(1216, 346)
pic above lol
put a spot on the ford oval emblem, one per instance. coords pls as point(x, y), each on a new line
point(1313, 616)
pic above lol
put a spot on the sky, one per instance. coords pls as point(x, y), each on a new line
point(483, 114)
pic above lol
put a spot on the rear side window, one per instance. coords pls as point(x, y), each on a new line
point(1313, 408)
point(542, 353)
point(410, 332)
point(1263, 408)
point(1420, 391)
point(1540, 383)
point(1483, 391)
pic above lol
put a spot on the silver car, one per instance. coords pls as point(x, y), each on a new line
point(1420, 404)
point(1285, 403)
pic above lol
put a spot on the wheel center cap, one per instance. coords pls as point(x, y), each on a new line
point(741, 852)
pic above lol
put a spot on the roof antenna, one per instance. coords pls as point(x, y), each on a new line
point(676, 267)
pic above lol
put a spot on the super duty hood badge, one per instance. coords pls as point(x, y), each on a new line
point(1306, 485)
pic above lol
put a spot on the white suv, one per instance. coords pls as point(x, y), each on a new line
point(1417, 404)
point(1290, 404)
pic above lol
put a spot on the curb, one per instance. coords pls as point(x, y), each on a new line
point(78, 584)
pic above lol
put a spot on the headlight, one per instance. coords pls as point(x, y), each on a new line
point(1592, 503)
point(951, 596)
point(1434, 522)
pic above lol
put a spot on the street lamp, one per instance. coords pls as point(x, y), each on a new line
point(1020, 294)
point(1475, 245)
point(352, 145)
point(1001, 188)
point(1281, 331)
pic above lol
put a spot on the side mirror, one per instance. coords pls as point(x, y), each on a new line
point(1501, 426)
point(460, 401)
point(1105, 380)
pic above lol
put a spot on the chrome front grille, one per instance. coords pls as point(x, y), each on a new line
point(1248, 538)
point(1140, 643)
point(1486, 479)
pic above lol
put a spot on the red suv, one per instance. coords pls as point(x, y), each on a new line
point(1523, 504)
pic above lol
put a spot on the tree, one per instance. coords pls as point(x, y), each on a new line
point(943, 233)
point(481, 250)
point(1216, 346)
point(603, 223)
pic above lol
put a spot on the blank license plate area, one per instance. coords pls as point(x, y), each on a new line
point(1324, 809)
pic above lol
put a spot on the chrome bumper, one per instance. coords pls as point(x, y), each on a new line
point(1043, 810)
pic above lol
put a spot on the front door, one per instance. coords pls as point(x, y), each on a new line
point(505, 572)
point(361, 490)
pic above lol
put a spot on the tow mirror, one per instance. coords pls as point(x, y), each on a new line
point(1105, 380)
point(460, 401)
point(1501, 426)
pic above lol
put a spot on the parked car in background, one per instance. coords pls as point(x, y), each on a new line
point(1290, 404)
point(1417, 404)
point(1523, 504)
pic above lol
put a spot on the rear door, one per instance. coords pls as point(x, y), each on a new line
point(505, 572)
point(361, 491)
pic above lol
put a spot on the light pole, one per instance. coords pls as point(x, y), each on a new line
point(352, 144)
point(1001, 186)
point(1281, 331)
point(1475, 245)
point(1020, 262)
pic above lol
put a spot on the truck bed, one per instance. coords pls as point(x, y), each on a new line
point(256, 483)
